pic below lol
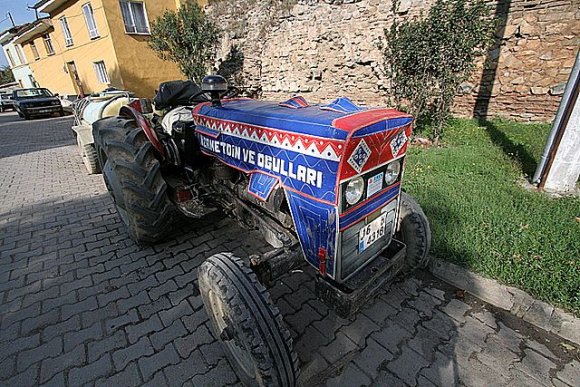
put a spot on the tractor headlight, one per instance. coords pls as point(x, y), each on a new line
point(354, 190)
point(392, 172)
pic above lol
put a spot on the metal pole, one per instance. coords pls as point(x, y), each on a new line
point(11, 19)
point(541, 169)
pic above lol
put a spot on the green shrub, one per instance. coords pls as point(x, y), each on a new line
point(187, 37)
point(428, 57)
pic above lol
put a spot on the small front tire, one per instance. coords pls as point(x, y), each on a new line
point(242, 315)
point(415, 232)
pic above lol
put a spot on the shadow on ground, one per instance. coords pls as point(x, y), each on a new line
point(18, 136)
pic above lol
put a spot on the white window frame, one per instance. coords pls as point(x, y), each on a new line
point(10, 58)
point(101, 71)
point(90, 18)
point(68, 39)
point(48, 46)
point(132, 17)
point(34, 50)
point(20, 54)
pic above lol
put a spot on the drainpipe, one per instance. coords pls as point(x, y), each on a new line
point(562, 116)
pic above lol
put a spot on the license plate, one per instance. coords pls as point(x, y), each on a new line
point(372, 232)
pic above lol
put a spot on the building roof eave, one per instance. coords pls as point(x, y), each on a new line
point(48, 6)
point(39, 27)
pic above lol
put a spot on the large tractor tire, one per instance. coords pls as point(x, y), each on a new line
point(243, 317)
point(89, 155)
point(415, 232)
point(132, 174)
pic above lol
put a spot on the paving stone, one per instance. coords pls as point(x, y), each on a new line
point(471, 372)
point(456, 309)
point(151, 364)
point(52, 366)
point(536, 366)
point(351, 376)
point(36, 355)
point(303, 318)
point(307, 343)
point(92, 371)
point(441, 372)
point(7, 367)
point(386, 378)
point(35, 324)
point(487, 318)
point(186, 345)
point(124, 304)
point(158, 380)
point(129, 377)
point(124, 356)
point(114, 295)
point(510, 338)
point(77, 308)
point(220, 375)
point(96, 349)
point(26, 378)
point(185, 370)
point(167, 335)
point(72, 339)
point(212, 353)
point(338, 348)
point(19, 345)
point(541, 348)
point(93, 316)
point(117, 323)
point(570, 374)
point(391, 336)
point(359, 329)
point(170, 315)
point(475, 331)
point(152, 324)
point(371, 357)
point(407, 366)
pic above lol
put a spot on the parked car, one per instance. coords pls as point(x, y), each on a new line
point(6, 102)
point(36, 102)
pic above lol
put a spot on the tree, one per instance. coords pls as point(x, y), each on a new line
point(187, 37)
point(6, 75)
point(427, 58)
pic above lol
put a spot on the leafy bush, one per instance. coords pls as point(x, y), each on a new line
point(187, 37)
point(427, 58)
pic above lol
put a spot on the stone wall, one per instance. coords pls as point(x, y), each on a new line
point(325, 49)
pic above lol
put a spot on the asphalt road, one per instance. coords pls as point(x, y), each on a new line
point(81, 304)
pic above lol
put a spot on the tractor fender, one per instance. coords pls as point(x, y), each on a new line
point(129, 112)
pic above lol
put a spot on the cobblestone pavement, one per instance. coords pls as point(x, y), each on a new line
point(82, 304)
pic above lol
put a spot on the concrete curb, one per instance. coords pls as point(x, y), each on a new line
point(514, 300)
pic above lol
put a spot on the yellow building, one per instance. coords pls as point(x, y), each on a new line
point(86, 46)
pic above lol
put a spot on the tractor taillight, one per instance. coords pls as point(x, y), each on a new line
point(322, 261)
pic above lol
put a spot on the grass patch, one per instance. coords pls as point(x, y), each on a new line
point(482, 218)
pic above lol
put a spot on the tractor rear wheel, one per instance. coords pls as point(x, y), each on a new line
point(415, 232)
point(132, 174)
point(89, 155)
point(243, 317)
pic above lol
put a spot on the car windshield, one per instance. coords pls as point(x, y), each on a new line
point(33, 93)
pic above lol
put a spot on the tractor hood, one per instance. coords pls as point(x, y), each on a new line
point(309, 149)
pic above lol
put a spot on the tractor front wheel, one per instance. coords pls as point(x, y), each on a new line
point(256, 342)
point(415, 232)
point(132, 174)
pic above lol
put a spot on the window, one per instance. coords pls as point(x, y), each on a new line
point(68, 40)
point(10, 59)
point(101, 71)
point(90, 21)
point(34, 51)
point(48, 44)
point(20, 54)
point(134, 17)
